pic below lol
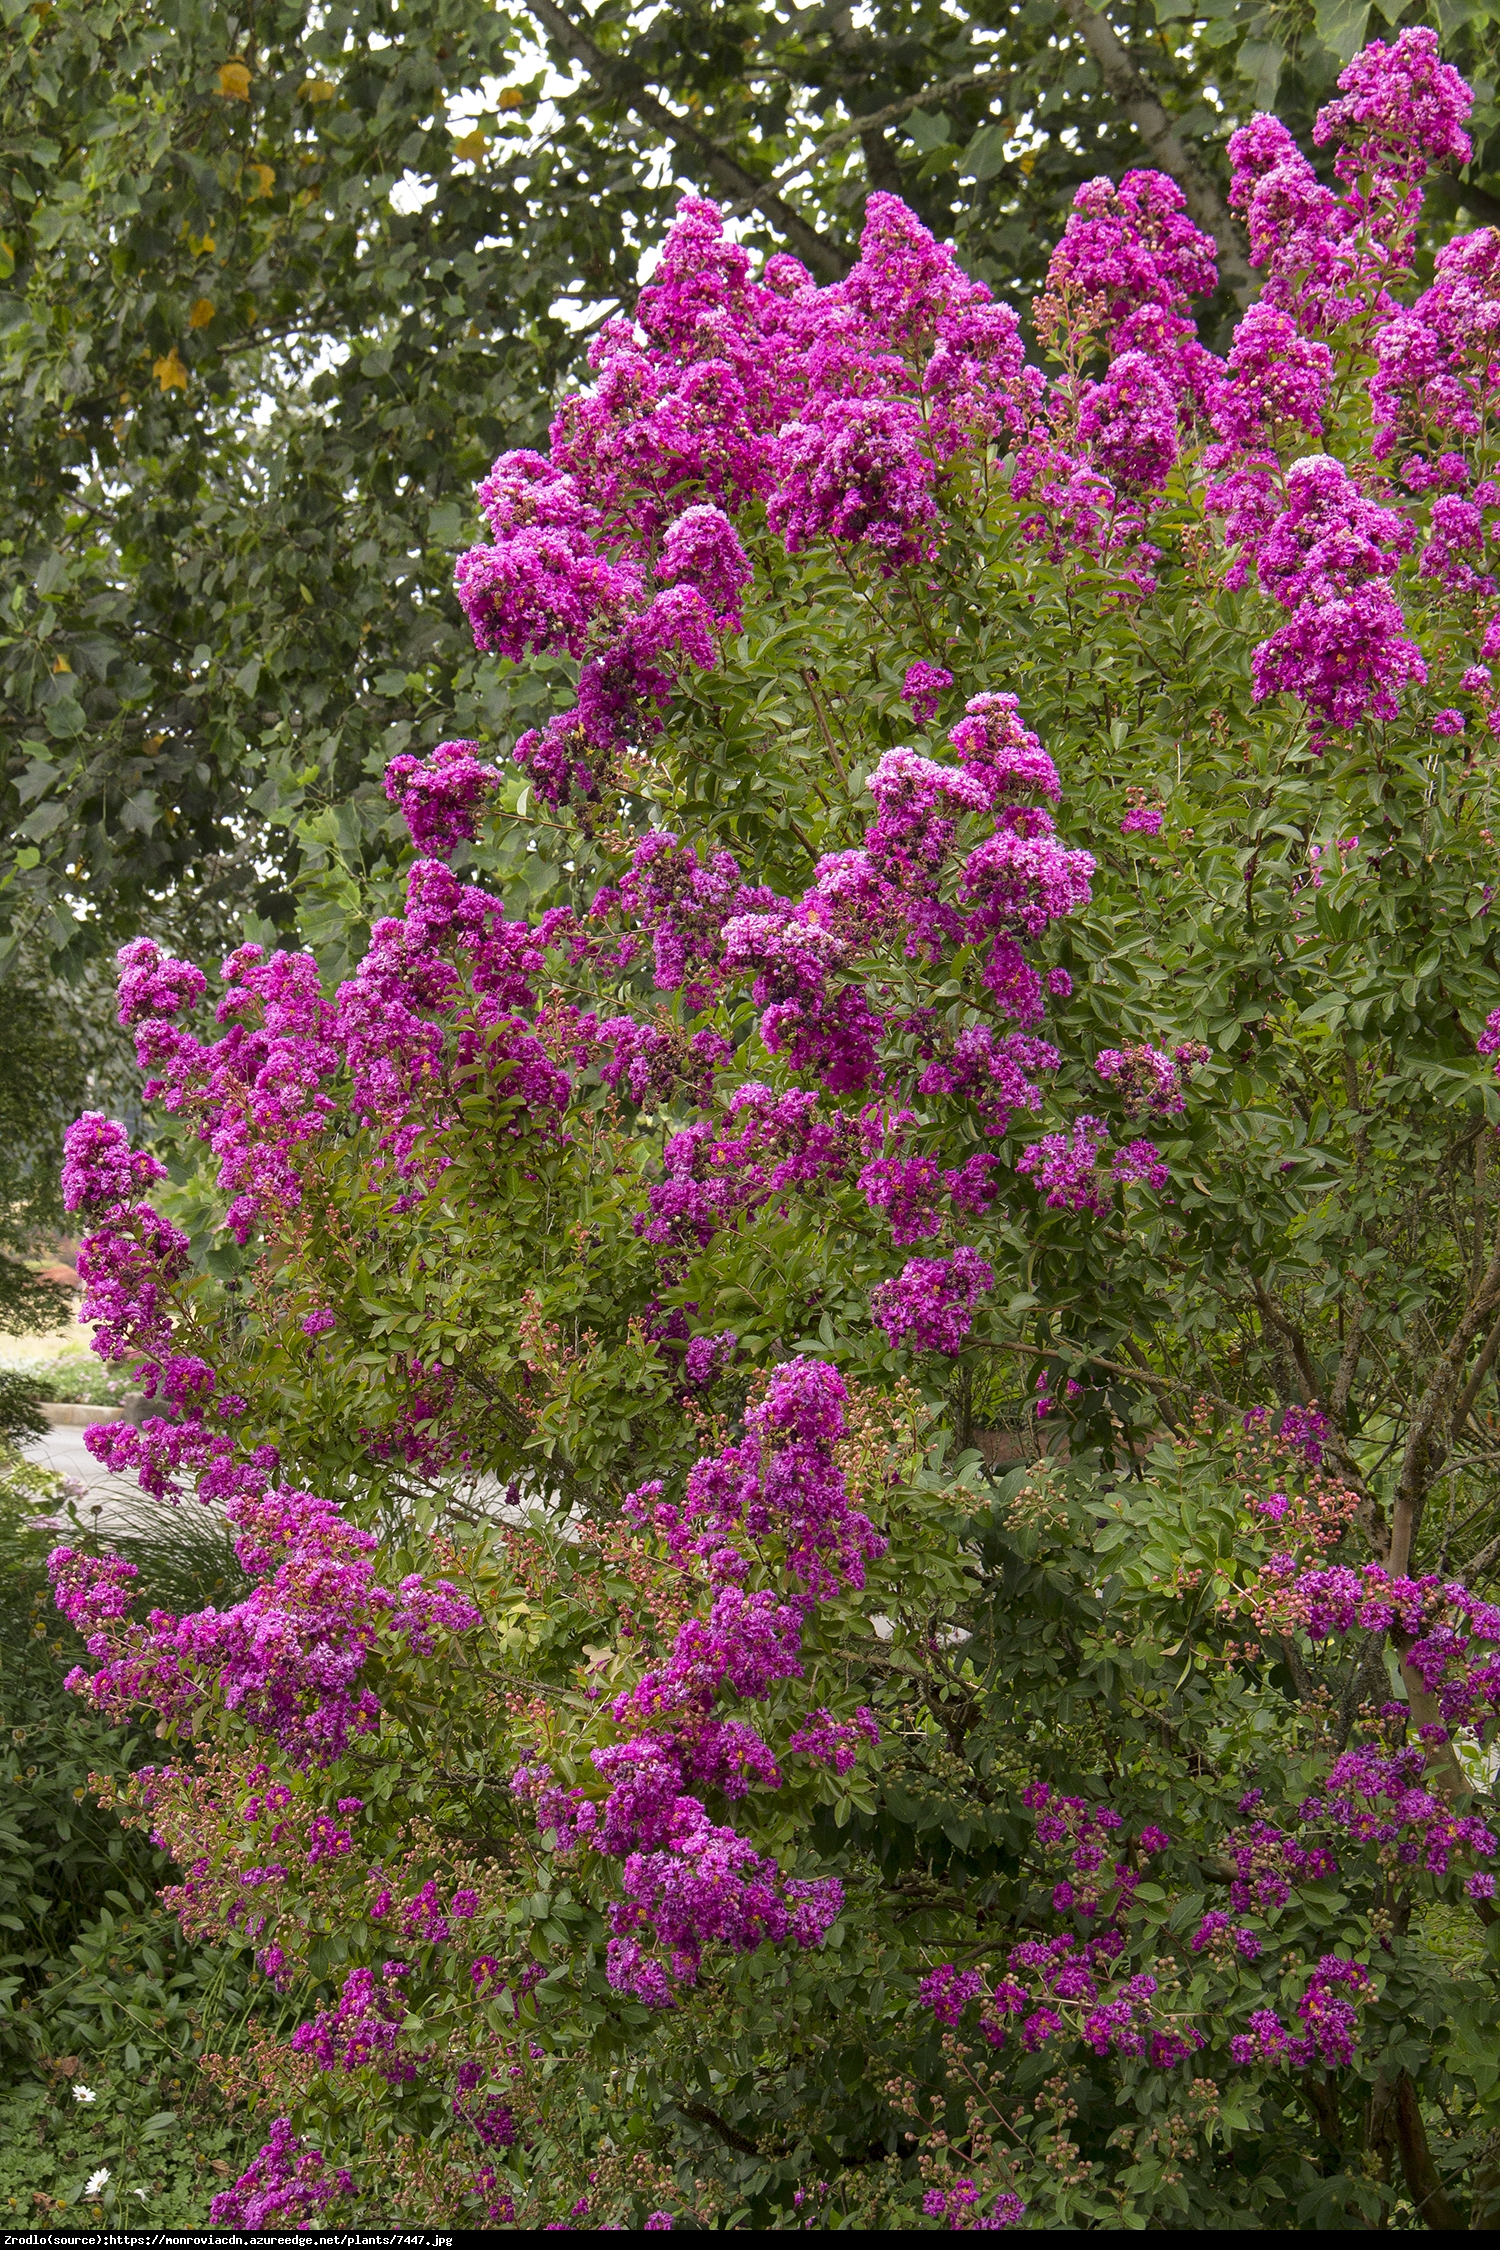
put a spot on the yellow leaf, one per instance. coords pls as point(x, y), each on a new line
point(265, 177)
point(202, 313)
point(316, 90)
point(154, 743)
point(7, 261)
point(472, 146)
point(234, 82)
point(62, 665)
point(512, 98)
point(170, 372)
point(199, 244)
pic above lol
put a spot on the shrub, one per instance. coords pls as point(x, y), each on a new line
point(99, 1990)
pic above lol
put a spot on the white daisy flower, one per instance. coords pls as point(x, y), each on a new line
point(96, 2180)
point(84, 2094)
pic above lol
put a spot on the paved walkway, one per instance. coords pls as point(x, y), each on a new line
point(119, 1500)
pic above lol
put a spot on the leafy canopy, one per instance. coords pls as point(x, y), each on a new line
point(276, 289)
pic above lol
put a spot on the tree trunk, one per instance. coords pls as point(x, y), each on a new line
point(1435, 2208)
point(1164, 144)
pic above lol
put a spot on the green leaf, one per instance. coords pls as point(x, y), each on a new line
point(1259, 62)
point(929, 132)
point(45, 821)
point(985, 154)
point(64, 718)
point(1341, 26)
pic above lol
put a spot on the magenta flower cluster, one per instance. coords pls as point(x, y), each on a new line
point(777, 1503)
point(835, 1742)
point(363, 2028)
point(288, 1658)
point(286, 2185)
point(930, 1303)
point(441, 796)
point(1076, 1833)
point(1329, 2012)
point(923, 689)
point(1058, 1989)
point(1067, 1169)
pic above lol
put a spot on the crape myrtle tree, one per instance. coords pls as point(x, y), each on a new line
point(1006, 942)
point(278, 282)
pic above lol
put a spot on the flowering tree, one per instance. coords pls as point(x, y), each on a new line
point(994, 933)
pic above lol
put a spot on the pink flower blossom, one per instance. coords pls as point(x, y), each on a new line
point(439, 797)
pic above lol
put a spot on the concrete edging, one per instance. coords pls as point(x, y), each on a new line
point(67, 1414)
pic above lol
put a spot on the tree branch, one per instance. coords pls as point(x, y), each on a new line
point(1302, 1679)
point(1476, 1565)
point(519, 1430)
point(1417, 1471)
point(1321, 2095)
point(1471, 1389)
point(861, 56)
point(1411, 1484)
point(1087, 1359)
point(1348, 1367)
point(1484, 2211)
point(1435, 2207)
point(875, 122)
point(615, 75)
point(701, 2114)
point(1369, 1670)
point(1165, 146)
point(1273, 1317)
point(1291, 1348)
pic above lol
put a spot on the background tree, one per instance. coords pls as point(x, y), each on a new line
point(55, 1039)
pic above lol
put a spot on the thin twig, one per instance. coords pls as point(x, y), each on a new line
point(616, 74)
point(1476, 1566)
point(1471, 1389)
point(875, 121)
point(1416, 1471)
point(1343, 1381)
point(828, 742)
point(1085, 1358)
